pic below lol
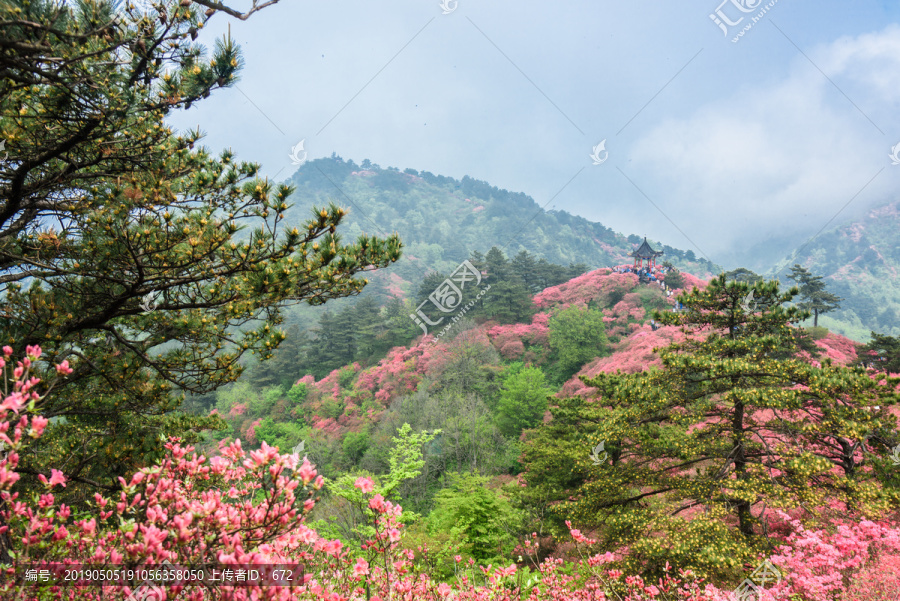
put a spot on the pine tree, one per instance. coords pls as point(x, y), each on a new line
point(368, 326)
point(120, 242)
point(430, 283)
point(674, 279)
point(813, 294)
point(525, 267)
point(734, 423)
point(742, 274)
point(881, 353)
point(398, 329)
point(508, 299)
point(283, 369)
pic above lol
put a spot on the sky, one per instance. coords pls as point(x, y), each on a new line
point(736, 129)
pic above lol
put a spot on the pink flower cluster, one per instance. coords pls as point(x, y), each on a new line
point(536, 333)
point(632, 355)
point(818, 564)
point(585, 288)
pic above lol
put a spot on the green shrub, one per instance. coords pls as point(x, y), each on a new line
point(523, 401)
point(331, 408)
point(817, 332)
point(475, 516)
point(355, 445)
point(346, 377)
point(284, 435)
point(261, 404)
point(577, 335)
point(297, 393)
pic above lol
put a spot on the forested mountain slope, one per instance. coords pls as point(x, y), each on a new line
point(861, 263)
point(442, 220)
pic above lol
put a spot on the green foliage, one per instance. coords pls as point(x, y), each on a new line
point(693, 435)
point(742, 274)
point(477, 518)
point(674, 279)
point(297, 394)
point(262, 403)
point(817, 332)
point(284, 435)
point(346, 377)
point(282, 368)
point(509, 299)
point(355, 445)
point(146, 284)
point(331, 407)
point(406, 457)
point(882, 353)
point(523, 401)
point(577, 335)
point(652, 299)
point(343, 512)
point(469, 439)
point(813, 294)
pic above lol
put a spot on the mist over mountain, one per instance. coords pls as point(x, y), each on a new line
point(442, 220)
point(860, 261)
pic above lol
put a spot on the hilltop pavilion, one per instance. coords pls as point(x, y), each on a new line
point(645, 252)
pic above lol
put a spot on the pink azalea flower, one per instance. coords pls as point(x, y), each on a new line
point(364, 484)
point(361, 568)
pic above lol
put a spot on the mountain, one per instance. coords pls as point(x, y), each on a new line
point(442, 220)
point(860, 262)
point(357, 398)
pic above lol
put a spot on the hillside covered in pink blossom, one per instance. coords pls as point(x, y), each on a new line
point(627, 308)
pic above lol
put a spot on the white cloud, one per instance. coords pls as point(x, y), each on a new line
point(782, 155)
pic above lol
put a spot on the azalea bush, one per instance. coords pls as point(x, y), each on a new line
point(244, 509)
point(832, 564)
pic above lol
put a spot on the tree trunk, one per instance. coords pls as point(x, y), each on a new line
point(745, 517)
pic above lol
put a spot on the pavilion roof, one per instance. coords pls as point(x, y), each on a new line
point(644, 251)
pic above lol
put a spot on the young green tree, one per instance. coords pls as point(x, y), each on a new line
point(881, 353)
point(523, 400)
point(577, 335)
point(348, 506)
point(731, 424)
point(478, 518)
point(814, 297)
point(674, 279)
point(121, 247)
point(508, 299)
